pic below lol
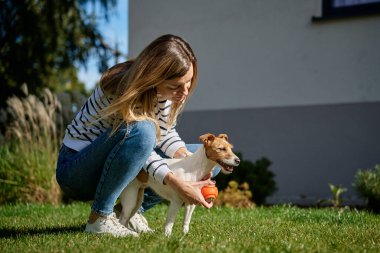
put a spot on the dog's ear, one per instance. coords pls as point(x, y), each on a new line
point(206, 138)
point(223, 136)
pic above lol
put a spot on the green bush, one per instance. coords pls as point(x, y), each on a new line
point(258, 176)
point(367, 183)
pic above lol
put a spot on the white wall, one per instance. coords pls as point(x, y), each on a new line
point(265, 53)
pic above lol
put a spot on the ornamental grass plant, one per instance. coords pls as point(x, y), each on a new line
point(29, 150)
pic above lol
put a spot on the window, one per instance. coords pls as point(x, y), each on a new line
point(347, 8)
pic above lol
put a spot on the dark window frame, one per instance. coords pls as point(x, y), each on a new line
point(329, 11)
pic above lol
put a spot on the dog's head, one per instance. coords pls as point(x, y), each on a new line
point(219, 150)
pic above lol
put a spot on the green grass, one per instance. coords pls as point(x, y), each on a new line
point(48, 228)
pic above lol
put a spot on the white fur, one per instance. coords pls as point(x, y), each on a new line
point(192, 168)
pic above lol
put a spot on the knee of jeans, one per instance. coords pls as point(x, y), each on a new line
point(146, 134)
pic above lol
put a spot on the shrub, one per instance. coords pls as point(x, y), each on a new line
point(29, 153)
point(27, 173)
point(257, 175)
point(367, 183)
point(235, 195)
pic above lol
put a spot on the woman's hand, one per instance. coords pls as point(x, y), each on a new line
point(181, 153)
point(189, 191)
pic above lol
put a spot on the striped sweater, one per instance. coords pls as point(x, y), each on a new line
point(85, 128)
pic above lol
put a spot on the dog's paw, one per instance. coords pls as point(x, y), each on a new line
point(168, 232)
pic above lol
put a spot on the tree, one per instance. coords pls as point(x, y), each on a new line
point(43, 41)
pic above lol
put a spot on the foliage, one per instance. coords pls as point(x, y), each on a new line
point(42, 41)
point(28, 157)
point(27, 172)
point(235, 195)
point(258, 176)
point(47, 228)
point(336, 191)
point(367, 183)
point(29, 118)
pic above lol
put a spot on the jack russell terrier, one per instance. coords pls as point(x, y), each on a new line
point(215, 150)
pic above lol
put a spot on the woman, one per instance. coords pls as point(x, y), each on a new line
point(127, 124)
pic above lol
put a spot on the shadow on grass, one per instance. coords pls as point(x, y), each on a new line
point(17, 233)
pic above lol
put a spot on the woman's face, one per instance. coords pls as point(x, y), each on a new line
point(176, 90)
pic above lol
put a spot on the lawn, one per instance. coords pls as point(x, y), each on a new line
point(47, 228)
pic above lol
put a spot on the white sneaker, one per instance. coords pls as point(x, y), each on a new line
point(109, 225)
point(139, 224)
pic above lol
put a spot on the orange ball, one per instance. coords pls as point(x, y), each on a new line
point(209, 192)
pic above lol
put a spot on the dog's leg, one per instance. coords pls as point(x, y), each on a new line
point(129, 200)
point(140, 199)
point(172, 212)
point(189, 209)
point(142, 178)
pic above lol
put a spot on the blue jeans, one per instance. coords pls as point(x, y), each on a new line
point(104, 168)
point(150, 197)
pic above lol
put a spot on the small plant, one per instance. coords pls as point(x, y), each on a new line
point(367, 183)
point(336, 191)
point(235, 195)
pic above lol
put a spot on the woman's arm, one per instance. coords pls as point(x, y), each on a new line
point(181, 153)
point(189, 191)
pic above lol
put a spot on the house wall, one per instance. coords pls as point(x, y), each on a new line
point(305, 95)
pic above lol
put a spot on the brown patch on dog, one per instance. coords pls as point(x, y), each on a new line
point(143, 176)
point(218, 147)
point(223, 136)
point(206, 138)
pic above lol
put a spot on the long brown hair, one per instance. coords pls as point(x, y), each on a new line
point(133, 83)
